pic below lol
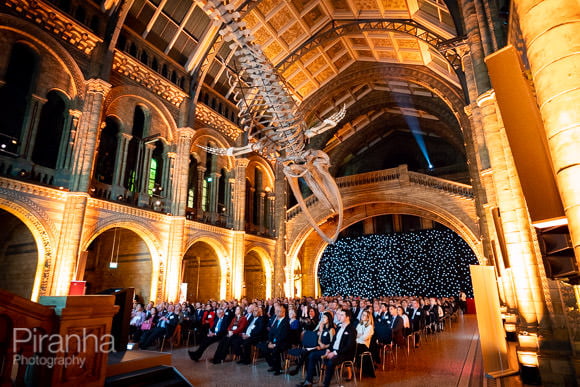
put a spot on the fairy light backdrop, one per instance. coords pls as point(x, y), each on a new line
point(427, 263)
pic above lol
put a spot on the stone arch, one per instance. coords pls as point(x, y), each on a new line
point(40, 38)
point(267, 265)
point(223, 261)
point(200, 137)
point(256, 161)
point(369, 210)
point(381, 72)
point(143, 97)
point(44, 244)
point(148, 236)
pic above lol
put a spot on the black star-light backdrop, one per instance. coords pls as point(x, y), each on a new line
point(426, 263)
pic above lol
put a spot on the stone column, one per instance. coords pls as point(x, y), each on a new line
point(279, 282)
point(261, 212)
point(86, 137)
point(170, 187)
point(120, 164)
point(69, 242)
point(144, 180)
point(239, 196)
point(175, 252)
point(514, 217)
point(271, 200)
point(180, 172)
point(551, 31)
point(74, 125)
point(199, 194)
point(238, 259)
point(213, 195)
point(369, 226)
point(229, 201)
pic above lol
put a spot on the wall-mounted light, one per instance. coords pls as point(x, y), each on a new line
point(529, 367)
point(528, 341)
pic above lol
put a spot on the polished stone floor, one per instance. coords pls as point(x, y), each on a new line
point(450, 358)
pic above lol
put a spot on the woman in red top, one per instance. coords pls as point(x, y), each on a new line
point(237, 326)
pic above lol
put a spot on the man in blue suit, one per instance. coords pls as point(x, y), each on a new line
point(277, 340)
point(218, 330)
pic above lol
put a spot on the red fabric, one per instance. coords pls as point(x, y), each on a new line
point(242, 324)
point(208, 318)
point(470, 306)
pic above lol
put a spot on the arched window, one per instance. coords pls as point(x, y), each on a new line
point(50, 130)
point(164, 70)
point(133, 50)
point(144, 57)
point(15, 94)
point(192, 182)
point(156, 169)
point(154, 64)
point(105, 163)
point(249, 203)
point(222, 191)
point(258, 189)
point(134, 151)
point(172, 77)
point(210, 164)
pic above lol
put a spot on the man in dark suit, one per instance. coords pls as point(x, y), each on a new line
point(216, 332)
point(417, 321)
point(342, 348)
point(277, 340)
point(254, 333)
point(165, 327)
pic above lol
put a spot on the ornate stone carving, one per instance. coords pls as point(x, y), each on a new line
point(212, 119)
point(56, 22)
point(143, 75)
point(98, 86)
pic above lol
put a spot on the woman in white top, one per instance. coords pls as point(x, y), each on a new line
point(364, 333)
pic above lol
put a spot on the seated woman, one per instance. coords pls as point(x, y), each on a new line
point(237, 326)
point(310, 321)
point(294, 333)
point(137, 318)
point(364, 333)
point(326, 332)
point(148, 325)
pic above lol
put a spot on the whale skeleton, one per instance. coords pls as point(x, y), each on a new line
point(268, 113)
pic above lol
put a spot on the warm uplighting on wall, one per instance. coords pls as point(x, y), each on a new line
point(551, 222)
point(528, 358)
point(527, 340)
point(510, 328)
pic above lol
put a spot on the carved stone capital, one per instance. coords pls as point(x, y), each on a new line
point(75, 113)
point(171, 155)
point(98, 86)
point(241, 163)
point(186, 132)
point(486, 98)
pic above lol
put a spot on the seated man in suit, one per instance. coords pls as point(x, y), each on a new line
point(253, 334)
point(277, 340)
point(216, 332)
point(342, 348)
point(165, 327)
point(417, 320)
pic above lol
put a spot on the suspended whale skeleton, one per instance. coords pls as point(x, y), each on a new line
point(267, 107)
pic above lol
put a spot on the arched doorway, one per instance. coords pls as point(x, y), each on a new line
point(254, 276)
point(119, 258)
point(201, 272)
point(18, 256)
